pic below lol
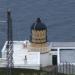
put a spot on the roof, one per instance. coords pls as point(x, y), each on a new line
point(38, 25)
point(24, 59)
point(62, 44)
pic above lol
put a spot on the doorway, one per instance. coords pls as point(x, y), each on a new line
point(54, 59)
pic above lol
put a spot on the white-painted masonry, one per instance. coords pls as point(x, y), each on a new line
point(23, 58)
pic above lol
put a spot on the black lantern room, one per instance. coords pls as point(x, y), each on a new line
point(38, 32)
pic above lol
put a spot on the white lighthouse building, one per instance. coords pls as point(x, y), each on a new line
point(38, 51)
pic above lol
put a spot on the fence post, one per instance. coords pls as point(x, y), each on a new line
point(59, 68)
point(66, 67)
point(69, 68)
point(63, 68)
point(72, 69)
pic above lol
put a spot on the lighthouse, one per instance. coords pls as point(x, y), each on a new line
point(38, 36)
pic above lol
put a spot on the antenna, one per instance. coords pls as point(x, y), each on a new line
point(9, 44)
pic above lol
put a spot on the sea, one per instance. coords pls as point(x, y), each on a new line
point(57, 15)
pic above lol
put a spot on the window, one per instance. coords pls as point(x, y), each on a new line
point(53, 49)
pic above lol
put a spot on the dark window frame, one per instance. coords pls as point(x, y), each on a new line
point(53, 49)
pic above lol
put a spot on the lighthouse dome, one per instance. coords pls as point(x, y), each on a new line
point(38, 25)
point(38, 32)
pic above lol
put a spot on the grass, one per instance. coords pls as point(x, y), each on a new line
point(18, 71)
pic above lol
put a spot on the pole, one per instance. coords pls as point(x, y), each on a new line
point(9, 44)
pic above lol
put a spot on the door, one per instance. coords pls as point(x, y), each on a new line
point(54, 59)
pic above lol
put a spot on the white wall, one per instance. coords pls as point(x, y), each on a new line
point(3, 54)
point(3, 51)
point(45, 59)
